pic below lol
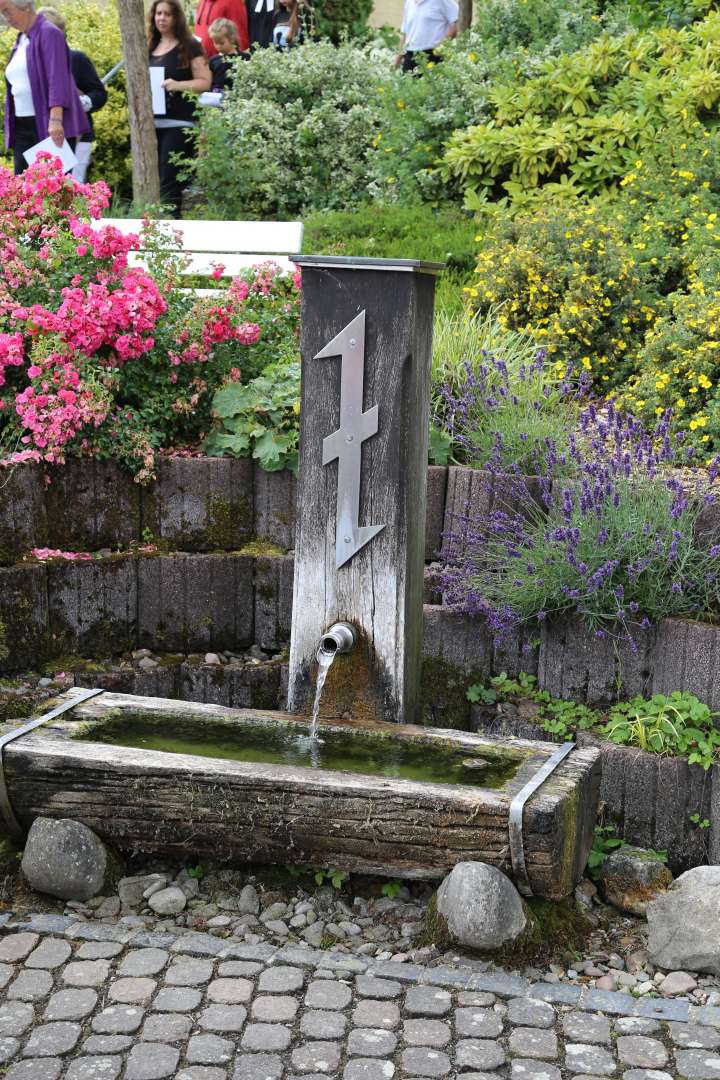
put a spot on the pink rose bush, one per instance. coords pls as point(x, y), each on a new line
point(103, 358)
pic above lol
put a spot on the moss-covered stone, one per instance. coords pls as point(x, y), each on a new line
point(443, 692)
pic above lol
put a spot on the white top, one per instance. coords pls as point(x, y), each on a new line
point(17, 75)
point(426, 22)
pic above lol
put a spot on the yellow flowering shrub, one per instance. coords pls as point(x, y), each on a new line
point(567, 276)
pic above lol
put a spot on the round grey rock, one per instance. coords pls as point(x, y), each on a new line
point(632, 877)
point(170, 901)
point(65, 859)
point(481, 908)
point(682, 924)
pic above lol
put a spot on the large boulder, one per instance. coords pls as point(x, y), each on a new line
point(66, 859)
point(631, 878)
point(684, 923)
point(479, 907)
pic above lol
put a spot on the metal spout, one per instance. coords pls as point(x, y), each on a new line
point(339, 638)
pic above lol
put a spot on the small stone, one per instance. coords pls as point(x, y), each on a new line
point(479, 1054)
point(147, 663)
point(16, 947)
point(420, 1061)
point(323, 994)
point(584, 1058)
point(429, 1033)
point(98, 950)
point(176, 999)
point(170, 901)
point(317, 1024)
point(274, 1009)
point(534, 1043)
point(86, 973)
point(480, 906)
point(209, 1050)
point(607, 982)
point(634, 1025)
point(644, 1074)
point(202, 1072)
point(64, 858)
point(641, 1052)
point(368, 1069)
point(131, 991)
point(118, 1020)
point(427, 1001)
point(224, 1018)
point(317, 1057)
point(281, 980)
point(94, 1068)
point(230, 991)
point(152, 1061)
point(71, 1005)
point(131, 889)
point(30, 986)
point(248, 902)
point(50, 953)
point(478, 1023)
point(266, 1037)
point(109, 908)
point(258, 1067)
point(380, 989)
point(189, 971)
point(527, 1069)
point(15, 1018)
point(166, 1027)
point(107, 1044)
point(631, 878)
point(49, 1069)
point(8, 1049)
point(376, 1014)
point(697, 1064)
point(212, 658)
point(677, 982)
point(582, 1027)
point(52, 1040)
point(694, 1036)
point(531, 1013)
point(371, 1042)
point(143, 962)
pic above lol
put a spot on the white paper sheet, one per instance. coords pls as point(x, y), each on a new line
point(64, 152)
point(157, 78)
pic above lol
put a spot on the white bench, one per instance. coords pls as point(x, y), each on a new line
point(236, 245)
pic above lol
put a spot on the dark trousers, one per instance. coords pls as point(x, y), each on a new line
point(174, 140)
point(410, 59)
point(25, 136)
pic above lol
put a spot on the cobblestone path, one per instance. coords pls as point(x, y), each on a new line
point(92, 1001)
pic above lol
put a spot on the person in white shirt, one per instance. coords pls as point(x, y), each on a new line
point(425, 24)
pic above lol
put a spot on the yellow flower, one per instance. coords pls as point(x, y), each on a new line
point(400, 103)
point(680, 403)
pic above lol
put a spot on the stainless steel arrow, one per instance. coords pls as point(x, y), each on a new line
point(345, 444)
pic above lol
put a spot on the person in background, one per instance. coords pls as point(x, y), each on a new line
point(209, 11)
point(93, 95)
point(181, 56)
point(293, 23)
point(41, 98)
point(261, 21)
point(224, 36)
point(425, 24)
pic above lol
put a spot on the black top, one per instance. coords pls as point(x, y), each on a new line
point(222, 69)
point(177, 105)
point(88, 82)
point(262, 22)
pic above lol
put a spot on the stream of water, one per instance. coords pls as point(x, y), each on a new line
point(325, 660)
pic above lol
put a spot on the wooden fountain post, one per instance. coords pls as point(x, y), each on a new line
point(366, 345)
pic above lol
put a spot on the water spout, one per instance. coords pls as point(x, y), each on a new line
point(340, 638)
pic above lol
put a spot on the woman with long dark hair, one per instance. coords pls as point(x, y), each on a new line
point(182, 58)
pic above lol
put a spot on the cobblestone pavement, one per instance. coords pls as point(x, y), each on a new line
point(93, 1001)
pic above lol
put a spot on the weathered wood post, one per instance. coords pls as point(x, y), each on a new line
point(366, 345)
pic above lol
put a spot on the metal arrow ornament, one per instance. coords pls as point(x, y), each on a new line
point(345, 444)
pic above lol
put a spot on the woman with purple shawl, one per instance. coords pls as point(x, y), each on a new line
point(41, 98)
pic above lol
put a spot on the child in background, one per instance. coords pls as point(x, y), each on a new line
point(224, 36)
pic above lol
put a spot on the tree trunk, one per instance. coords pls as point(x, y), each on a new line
point(466, 13)
point(143, 143)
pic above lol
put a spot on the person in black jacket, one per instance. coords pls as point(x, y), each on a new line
point(93, 95)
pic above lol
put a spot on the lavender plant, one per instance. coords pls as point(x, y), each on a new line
point(614, 540)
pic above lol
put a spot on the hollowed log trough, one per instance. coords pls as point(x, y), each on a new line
point(152, 801)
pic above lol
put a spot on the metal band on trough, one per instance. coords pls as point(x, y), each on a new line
point(515, 819)
point(6, 810)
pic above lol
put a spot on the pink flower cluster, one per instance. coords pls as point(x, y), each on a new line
point(55, 411)
point(43, 554)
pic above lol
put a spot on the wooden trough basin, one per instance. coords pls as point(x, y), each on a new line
point(418, 801)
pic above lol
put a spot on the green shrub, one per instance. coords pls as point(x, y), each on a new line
point(589, 115)
point(339, 19)
point(94, 29)
point(294, 136)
